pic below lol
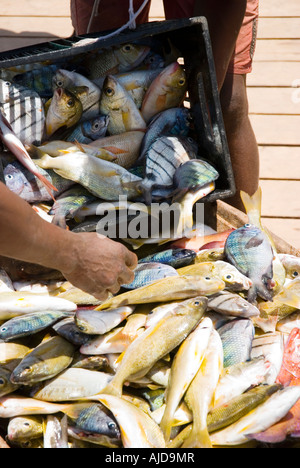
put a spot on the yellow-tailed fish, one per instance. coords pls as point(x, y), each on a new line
point(232, 305)
point(12, 351)
point(259, 419)
point(166, 290)
point(65, 110)
point(233, 279)
point(252, 206)
point(60, 147)
point(98, 323)
point(200, 393)
point(103, 179)
point(18, 405)
point(44, 362)
point(137, 82)
point(23, 428)
point(138, 430)
point(156, 342)
point(185, 366)
point(117, 103)
point(166, 91)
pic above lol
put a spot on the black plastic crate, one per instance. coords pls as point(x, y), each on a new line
point(191, 37)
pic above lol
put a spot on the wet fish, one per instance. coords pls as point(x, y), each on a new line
point(209, 255)
point(115, 60)
point(137, 82)
point(44, 362)
point(25, 184)
point(29, 324)
point(169, 332)
point(39, 79)
point(271, 347)
point(56, 432)
point(200, 393)
point(237, 336)
point(11, 351)
point(71, 80)
point(23, 428)
point(68, 329)
point(118, 105)
point(166, 91)
point(138, 430)
point(167, 289)
point(97, 322)
point(14, 144)
point(291, 264)
point(147, 273)
point(65, 110)
point(6, 386)
point(177, 258)
point(89, 130)
point(185, 366)
point(103, 179)
point(18, 405)
point(232, 304)
point(249, 250)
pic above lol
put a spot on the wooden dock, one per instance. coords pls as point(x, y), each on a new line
point(273, 91)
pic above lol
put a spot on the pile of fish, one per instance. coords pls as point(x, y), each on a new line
point(111, 124)
point(200, 351)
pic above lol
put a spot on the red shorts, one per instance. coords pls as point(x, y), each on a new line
point(107, 18)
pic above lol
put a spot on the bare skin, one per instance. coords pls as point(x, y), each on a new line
point(89, 261)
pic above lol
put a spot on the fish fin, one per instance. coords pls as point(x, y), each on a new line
point(115, 150)
point(259, 290)
point(198, 438)
point(79, 146)
point(252, 206)
point(289, 298)
point(72, 410)
point(113, 388)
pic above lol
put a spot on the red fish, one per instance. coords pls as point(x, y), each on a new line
point(13, 143)
point(200, 242)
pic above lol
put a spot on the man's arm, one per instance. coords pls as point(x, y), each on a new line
point(89, 261)
point(225, 18)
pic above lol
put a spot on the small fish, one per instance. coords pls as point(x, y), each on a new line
point(68, 203)
point(44, 362)
point(147, 273)
point(171, 122)
point(68, 329)
point(250, 251)
point(237, 336)
point(232, 304)
point(166, 91)
point(124, 146)
point(177, 258)
point(167, 289)
point(192, 175)
point(144, 351)
point(103, 179)
point(13, 143)
point(29, 187)
point(262, 417)
point(137, 82)
point(209, 255)
point(119, 106)
point(29, 324)
point(17, 405)
point(39, 79)
point(185, 366)
point(138, 430)
point(6, 385)
point(65, 110)
point(71, 81)
point(56, 432)
point(200, 393)
point(98, 323)
point(89, 130)
point(291, 264)
point(24, 428)
point(117, 59)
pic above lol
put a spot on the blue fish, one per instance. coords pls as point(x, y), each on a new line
point(176, 258)
point(146, 273)
point(236, 336)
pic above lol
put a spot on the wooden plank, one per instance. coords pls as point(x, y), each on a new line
point(287, 229)
point(280, 198)
point(273, 73)
point(274, 100)
point(280, 130)
point(35, 8)
point(279, 28)
point(279, 8)
point(279, 162)
point(35, 26)
point(277, 50)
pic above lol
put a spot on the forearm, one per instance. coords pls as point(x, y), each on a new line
point(224, 20)
point(25, 236)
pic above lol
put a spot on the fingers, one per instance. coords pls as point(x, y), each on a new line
point(131, 259)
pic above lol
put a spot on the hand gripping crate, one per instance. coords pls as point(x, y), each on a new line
point(191, 37)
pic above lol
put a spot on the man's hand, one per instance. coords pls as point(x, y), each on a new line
point(98, 265)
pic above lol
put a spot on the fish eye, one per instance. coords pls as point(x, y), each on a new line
point(207, 278)
point(9, 176)
point(295, 273)
point(247, 225)
point(3, 329)
point(127, 48)
point(228, 277)
point(70, 102)
point(27, 368)
point(109, 92)
point(2, 381)
point(60, 83)
point(196, 303)
point(96, 126)
point(181, 82)
point(26, 424)
point(111, 425)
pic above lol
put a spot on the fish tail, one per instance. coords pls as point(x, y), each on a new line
point(252, 206)
point(113, 388)
point(258, 290)
point(49, 187)
point(199, 438)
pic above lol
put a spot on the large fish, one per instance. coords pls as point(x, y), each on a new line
point(118, 105)
point(250, 251)
point(166, 91)
point(177, 258)
point(156, 342)
point(13, 143)
point(65, 110)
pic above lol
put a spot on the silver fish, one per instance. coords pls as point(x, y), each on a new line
point(89, 130)
point(146, 273)
point(97, 322)
point(232, 304)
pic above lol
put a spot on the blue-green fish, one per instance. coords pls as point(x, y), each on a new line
point(236, 336)
point(250, 251)
point(39, 79)
point(146, 273)
point(89, 130)
point(68, 329)
point(177, 258)
point(29, 324)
